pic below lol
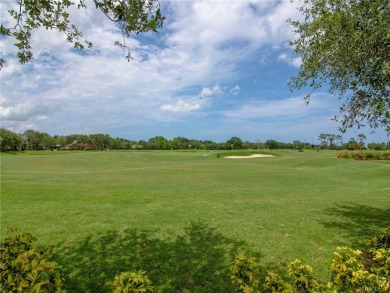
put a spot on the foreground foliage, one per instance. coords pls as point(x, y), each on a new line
point(351, 271)
point(132, 16)
point(136, 282)
point(25, 268)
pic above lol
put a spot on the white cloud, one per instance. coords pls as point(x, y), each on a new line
point(181, 106)
point(235, 90)
point(26, 111)
point(195, 102)
point(208, 56)
point(209, 91)
point(296, 62)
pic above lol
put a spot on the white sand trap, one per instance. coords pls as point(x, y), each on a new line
point(249, 157)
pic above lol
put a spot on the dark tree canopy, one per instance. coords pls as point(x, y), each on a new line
point(234, 143)
point(132, 16)
point(345, 44)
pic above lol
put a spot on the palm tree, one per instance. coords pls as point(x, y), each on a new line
point(362, 138)
point(323, 138)
point(339, 139)
point(331, 138)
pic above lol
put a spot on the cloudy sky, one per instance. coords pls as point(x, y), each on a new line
point(217, 69)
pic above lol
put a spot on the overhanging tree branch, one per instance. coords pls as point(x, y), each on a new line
point(133, 16)
point(347, 45)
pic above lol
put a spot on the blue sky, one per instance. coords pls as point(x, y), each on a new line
point(217, 69)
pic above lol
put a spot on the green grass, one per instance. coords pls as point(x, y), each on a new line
point(182, 214)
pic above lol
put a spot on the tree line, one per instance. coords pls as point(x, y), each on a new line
point(335, 142)
point(36, 140)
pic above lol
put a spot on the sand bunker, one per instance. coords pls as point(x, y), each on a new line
point(249, 157)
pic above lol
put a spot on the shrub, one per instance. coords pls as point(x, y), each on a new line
point(380, 259)
point(136, 282)
point(24, 266)
point(274, 283)
point(381, 268)
point(343, 155)
point(351, 271)
point(357, 156)
point(364, 155)
point(348, 271)
point(382, 240)
point(302, 278)
point(245, 273)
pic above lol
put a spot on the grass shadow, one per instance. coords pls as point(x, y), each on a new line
point(197, 261)
point(358, 222)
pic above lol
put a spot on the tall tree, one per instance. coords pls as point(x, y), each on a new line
point(351, 144)
point(9, 140)
point(331, 138)
point(131, 16)
point(271, 144)
point(180, 142)
point(234, 143)
point(323, 138)
point(158, 143)
point(339, 139)
point(361, 138)
point(101, 141)
point(34, 138)
point(346, 44)
point(47, 141)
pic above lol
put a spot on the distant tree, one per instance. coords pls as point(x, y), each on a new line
point(180, 143)
point(234, 143)
point(259, 144)
point(131, 16)
point(331, 138)
point(210, 145)
point(376, 146)
point(271, 144)
point(101, 141)
point(117, 143)
point(142, 144)
point(9, 141)
point(339, 139)
point(196, 144)
point(346, 45)
point(34, 138)
point(60, 141)
point(122, 144)
point(298, 145)
point(285, 145)
point(361, 138)
point(158, 143)
point(47, 141)
point(323, 139)
point(352, 144)
point(248, 145)
point(71, 138)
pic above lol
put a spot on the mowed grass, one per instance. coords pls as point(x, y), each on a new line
point(182, 213)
